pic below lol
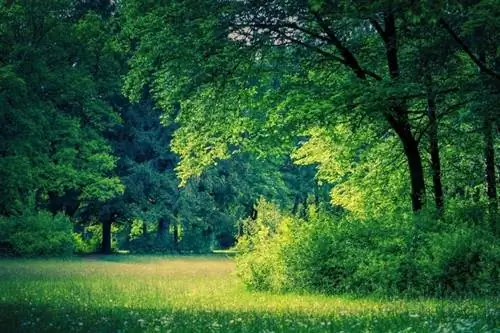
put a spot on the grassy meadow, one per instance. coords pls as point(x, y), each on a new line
point(202, 294)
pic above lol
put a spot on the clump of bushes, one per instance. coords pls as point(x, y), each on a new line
point(145, 238)
point(394, 255)
point(36, 233)
point(261, 262)
point(150, 244)
point(88, 238)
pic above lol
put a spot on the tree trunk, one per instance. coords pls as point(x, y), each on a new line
point(162, 228)
point(303, 211)
point(416, 173)
point(397, 115)
point(434, 151)
point(489, 154)
point(489, 150)
point(254, 213)
point(106, 236)
point(410, 147)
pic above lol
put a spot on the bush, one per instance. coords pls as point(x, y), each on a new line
point(82, 245)
point(191, 240)
point(466, 261)
point(412, 255)
point(260, 263)
point(150, 244)
point(36, 233)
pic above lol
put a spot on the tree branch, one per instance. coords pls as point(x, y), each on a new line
point(379, 29)
point(276, 28)
point(349, 59)
point(467, 50)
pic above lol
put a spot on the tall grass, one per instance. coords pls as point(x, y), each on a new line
point(202, 294)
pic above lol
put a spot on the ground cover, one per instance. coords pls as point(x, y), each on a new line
point(126, 293)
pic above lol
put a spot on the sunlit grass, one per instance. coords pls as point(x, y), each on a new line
point(201, 294)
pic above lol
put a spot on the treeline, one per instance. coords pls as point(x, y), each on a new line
point(156, 126)
point(82, 169)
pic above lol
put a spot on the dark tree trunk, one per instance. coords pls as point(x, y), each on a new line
point(412, 153)
point(126, 240)
point(303, 210)
point(434, 151)
point(397, 116)
point(163, 226)
point(489, 149)
point(106, 236)
point(489, 154)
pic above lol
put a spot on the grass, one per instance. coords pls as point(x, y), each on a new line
point(201, 294)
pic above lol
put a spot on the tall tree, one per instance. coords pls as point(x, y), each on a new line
point(60, 71)
point(52, 112)
point(476, 36)
point(238, 40)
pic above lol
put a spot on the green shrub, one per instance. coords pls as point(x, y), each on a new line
point(89, 240)
point(36, 233)
point(466, 261)
point(81, 245)
point(261, 259)
point(412, 255)
point(150, 244)
point(342, 254)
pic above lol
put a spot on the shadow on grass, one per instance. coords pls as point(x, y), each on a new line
point(73, 318)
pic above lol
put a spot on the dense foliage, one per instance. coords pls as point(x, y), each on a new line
point(71, 144)
point(36, 233)
point(390, 255)
point(369, 129)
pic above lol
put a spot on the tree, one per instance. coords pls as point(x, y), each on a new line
point(264, 72)
point(53, 108)
point(203, 213)
point(240, 40)
point(475, 36)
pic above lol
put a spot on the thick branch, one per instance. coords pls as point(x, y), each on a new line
point(349, 58)
point(317, 50)
point(389, 37)
point(350, 62)
point(379, 29)
point(467, 50)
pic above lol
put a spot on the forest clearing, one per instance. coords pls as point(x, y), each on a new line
point(201, 294)
point(347, 152)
